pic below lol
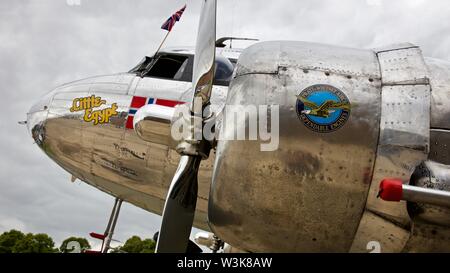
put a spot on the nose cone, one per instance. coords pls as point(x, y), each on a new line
point(36, 118)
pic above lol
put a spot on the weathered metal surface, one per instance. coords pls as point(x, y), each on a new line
point(405, 124)
point(405, 121)
point(440, 146)
point(109, 156)
point(304, 196)
point(266, 58)
point(375, 231)
point(428, 238)
point(404, 65)
point(440, 95)
point(431, 175)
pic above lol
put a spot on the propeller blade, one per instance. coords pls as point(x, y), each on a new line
point(205, 53)
point(179, 209)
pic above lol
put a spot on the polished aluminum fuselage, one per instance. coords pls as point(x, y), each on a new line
point(110, 156)
point(317, 192)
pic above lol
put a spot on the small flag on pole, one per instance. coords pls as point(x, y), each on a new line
point(168, 25)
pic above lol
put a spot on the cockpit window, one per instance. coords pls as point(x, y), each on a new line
point(167, 66)
point(224, 71)
point(179, 68)
point(182, 71)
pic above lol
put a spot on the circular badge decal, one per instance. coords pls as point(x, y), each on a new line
point(323, 108)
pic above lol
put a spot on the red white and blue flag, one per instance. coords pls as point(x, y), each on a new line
point(168, 25)
point(137, 102)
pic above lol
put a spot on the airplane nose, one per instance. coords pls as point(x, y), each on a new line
point(36, 118)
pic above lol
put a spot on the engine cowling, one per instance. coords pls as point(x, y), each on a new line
point(347, 119)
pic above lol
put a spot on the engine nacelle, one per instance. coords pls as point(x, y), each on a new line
point(431, 175)
point(347, 119)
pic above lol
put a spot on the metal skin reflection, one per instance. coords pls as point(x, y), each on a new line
point(317, 191)
point(99, 150)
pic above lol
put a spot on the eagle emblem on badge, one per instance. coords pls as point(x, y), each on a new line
point(323, 108)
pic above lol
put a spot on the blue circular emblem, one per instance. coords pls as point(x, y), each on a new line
point(323, 108)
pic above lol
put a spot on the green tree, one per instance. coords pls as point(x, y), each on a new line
point(136, 245)
point(148, 246)
point(9, 239)
point(82, 242)
point(39, 243)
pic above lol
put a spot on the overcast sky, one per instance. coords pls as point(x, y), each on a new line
point(45, 43)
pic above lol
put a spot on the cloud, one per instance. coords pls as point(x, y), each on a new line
point(44, 43)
